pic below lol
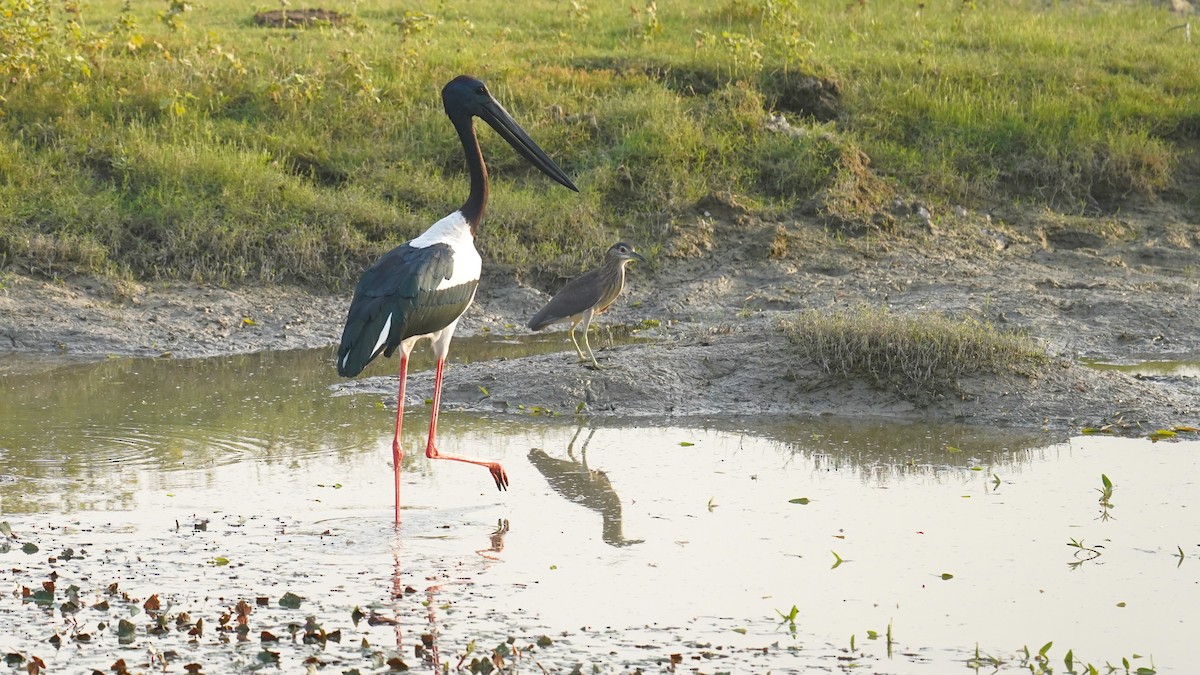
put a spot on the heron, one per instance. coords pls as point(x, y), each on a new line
point(587, 296)
point(421, 288)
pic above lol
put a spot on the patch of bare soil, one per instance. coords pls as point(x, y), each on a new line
point(298, 18)
point(1114, 290)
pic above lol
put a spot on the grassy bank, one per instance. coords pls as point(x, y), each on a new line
point(920, 357)
point(179, 140)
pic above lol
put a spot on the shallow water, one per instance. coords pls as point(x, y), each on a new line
point(212, 481)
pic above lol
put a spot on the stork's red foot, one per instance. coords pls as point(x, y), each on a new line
point(497, 471)
point(499, 475)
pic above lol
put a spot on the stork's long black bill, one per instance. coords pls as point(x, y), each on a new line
point(499, 119)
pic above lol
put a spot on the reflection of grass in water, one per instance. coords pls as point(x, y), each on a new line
point(1161, 368)
point(99, 423)
point(105, 426)
point(887, 452)
point(920, 357)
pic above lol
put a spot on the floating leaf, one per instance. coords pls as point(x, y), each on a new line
point(219, 561)
point(740, 631)
point(247, 321)
point(799, 500)
point(686, 444)
point(29, 547)
point(6, 529)
point(837, 560)
point(951, 448)
point(544, 641)
point(946, 576)
point(1160, 434)
point(290, 600)
point(484, 390)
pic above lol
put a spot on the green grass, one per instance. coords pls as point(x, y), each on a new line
point(920, 356)
point(151, 142)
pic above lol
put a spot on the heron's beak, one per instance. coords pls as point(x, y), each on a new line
point(637, 256)
point(499, 119)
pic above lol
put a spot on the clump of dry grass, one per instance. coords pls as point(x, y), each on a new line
point(921, 356)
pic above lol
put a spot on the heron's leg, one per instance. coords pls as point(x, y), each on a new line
point(587, 321)
point(431, 450)
point(575, 342)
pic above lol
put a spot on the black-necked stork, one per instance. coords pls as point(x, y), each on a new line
point(420, 288)
point(588, 295)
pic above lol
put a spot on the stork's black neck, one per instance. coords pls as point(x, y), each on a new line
point(473, 208)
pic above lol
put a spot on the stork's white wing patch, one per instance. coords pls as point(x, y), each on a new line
point(383, 336)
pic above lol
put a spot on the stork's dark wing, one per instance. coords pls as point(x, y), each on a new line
point(577, 296)
point(398, 294)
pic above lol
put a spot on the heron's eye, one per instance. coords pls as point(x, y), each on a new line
point(482, 90)
point(624, 250)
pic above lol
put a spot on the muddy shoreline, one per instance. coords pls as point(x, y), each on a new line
point(717, 349)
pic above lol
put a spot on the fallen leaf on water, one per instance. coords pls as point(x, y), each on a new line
point(686, 444)
point(946, 576)
point(378, 620)
point(219, 561)
point(290, 600)
point(152, 604)
point(799, 500)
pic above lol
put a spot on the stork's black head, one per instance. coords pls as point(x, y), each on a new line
point(623, 252)
point(465, 97)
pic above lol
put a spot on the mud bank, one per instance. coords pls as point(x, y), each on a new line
point(718, 349)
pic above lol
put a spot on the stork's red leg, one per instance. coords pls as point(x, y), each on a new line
point(397, 451)
point(431, 451)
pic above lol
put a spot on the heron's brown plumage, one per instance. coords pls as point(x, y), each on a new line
point(598, 288)
point(588, 295)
